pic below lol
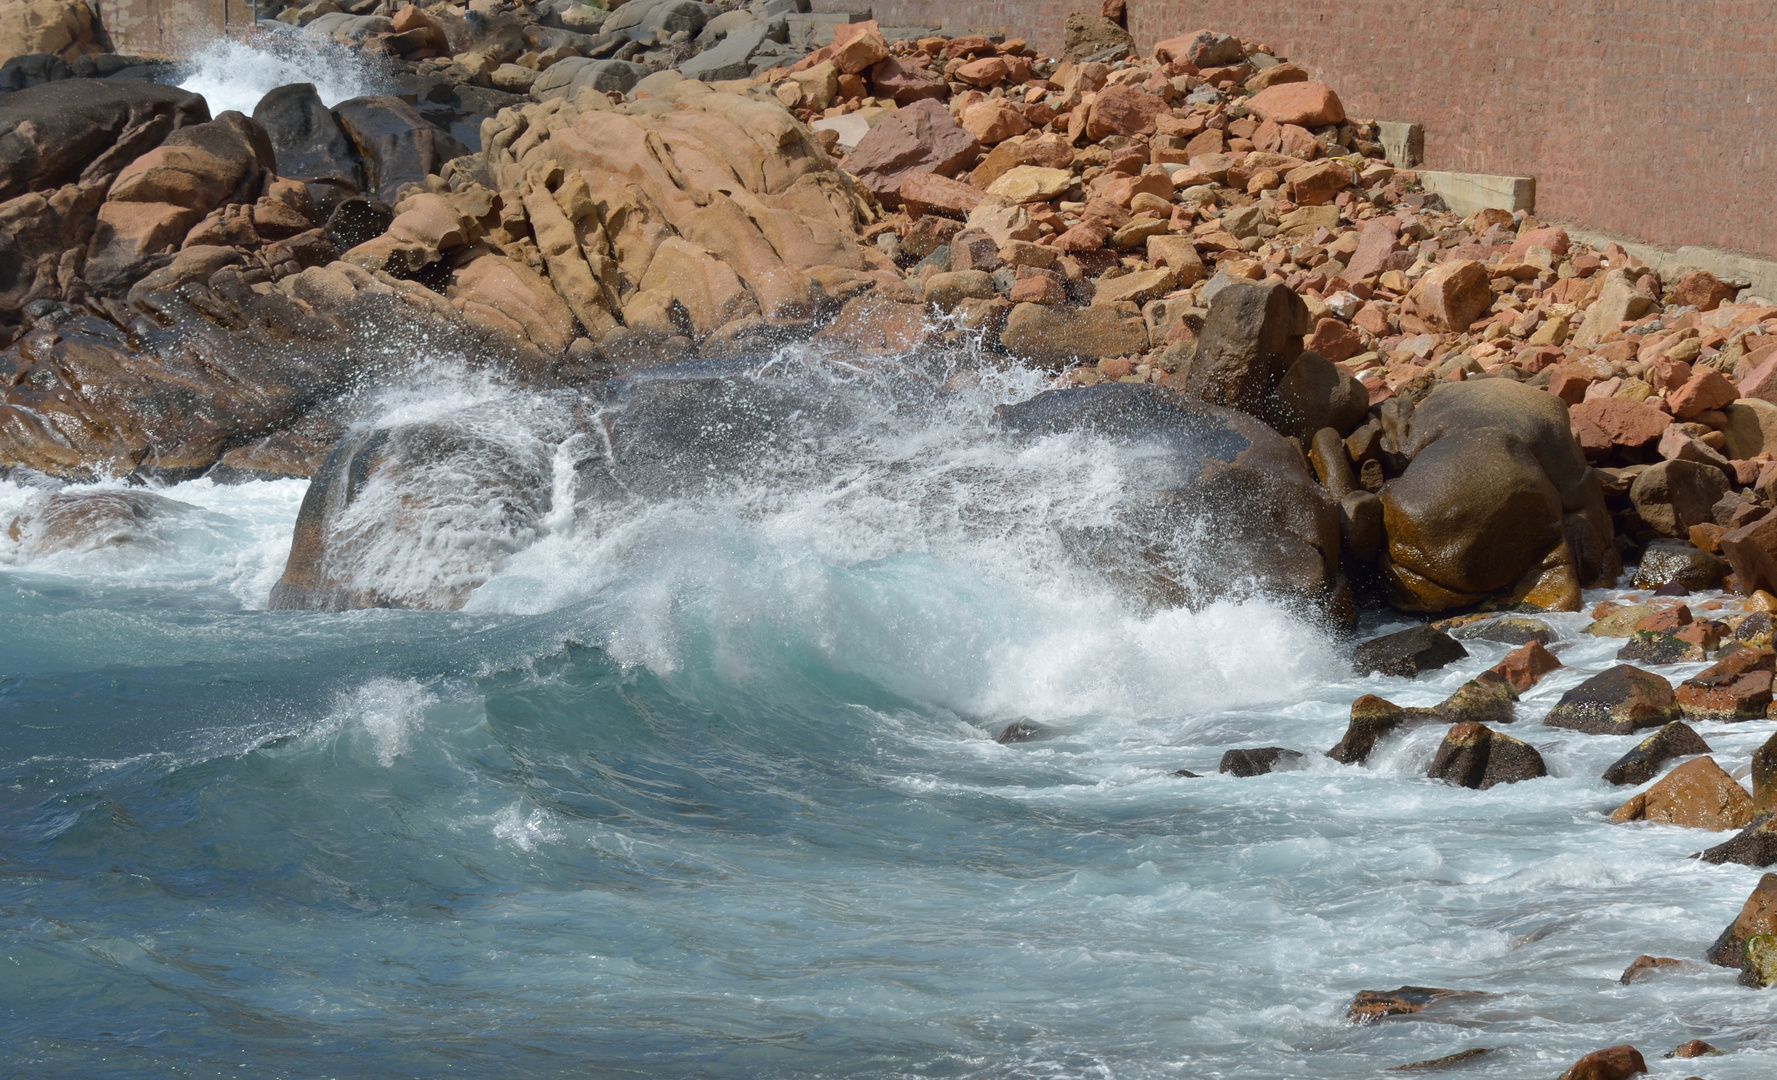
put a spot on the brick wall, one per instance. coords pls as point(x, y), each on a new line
point(1647, 117)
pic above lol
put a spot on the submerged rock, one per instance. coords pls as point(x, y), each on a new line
point(1448, 1061)
point(1696, 1048)
point(90, 521)
point(1407, 653)
point(1620, 701)
point(1475, 756)
point(1019, 731)
point(1372, 1005)
point(1643, 966)
point(1257, 761)
point(1642, 764)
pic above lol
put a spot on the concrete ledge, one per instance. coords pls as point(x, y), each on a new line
point(1402, 142)
point(1759, 276)
point(1466, 193)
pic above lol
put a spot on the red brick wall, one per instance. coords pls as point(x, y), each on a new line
point(1653, 118)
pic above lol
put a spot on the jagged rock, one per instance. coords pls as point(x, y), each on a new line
point(1755, 845)
point(1094, 37)
point(565, 78)
point(923, 137)
point(1257, 761)
point(1525, 666)
point(1475, 756)
point(1485, 699)
point(59, 134)
point(1020, 731)
point(1737, 687)
point(1747, 943)
point(1642, 764)
point(1696, 795)
point(1372, 718)
point(1407, 653)
point(1620, 701)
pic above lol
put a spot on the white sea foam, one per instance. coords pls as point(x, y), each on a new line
point(232, 74)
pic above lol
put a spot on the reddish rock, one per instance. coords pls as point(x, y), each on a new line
point(1452, 295)
point(1569, 384)
point(1201, 49)
point(1552, 237)
point(1123, 110)
point(1371, 1005)
point(1707, 389)
point(1037, 289)
point(984, 72)
point(1608, 423)
point(857, 47)
point(1305, 104)
point(1525, 665)
point(1752, 552)
point(1696, 1048)
point(906, 85)
point(1377, 242)
point(1318, 183)
point(919, 138)
point(1702, 290)
point(928, 193)
point(1737, 687)
point(1696, 795)
point(1614, 1063)
point(1335, 341)
point(993, 122)
point(1757, 918)
point(1761, 381)
point(1667, 621)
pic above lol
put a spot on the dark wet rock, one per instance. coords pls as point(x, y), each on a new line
point(309, 144)
point(1187, 774)
point(1476, 756)
point(1497, 504)
point(1737, 687)
point(1485, 699)
point(1510, 630)
point(1372, 1005)
point(1620, 701)
point(1696, 1048)
point(1677, 562)
point(1611, 1063)
point(1261, 523)
point(1448, 1061)
point(1023, 731)
point(1755, 845)
point(1653, 647)
point(356, 220)
point(83, 129)
point(1252, 336)
point(1258, 761)
point(1407, 653)
point(1316, 395)
point(396, 145)
point(1764, 777)
point(1643, 763)
point(1643, 966)
point(1748, 942)
point(1372, 718)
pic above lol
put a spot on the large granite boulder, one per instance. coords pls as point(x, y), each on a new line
point(1233, 512)
point(1497, 504)
point(79, 129)
point(308, 142)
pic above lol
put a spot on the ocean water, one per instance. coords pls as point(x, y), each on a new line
point(235, 74)
point(707, 786)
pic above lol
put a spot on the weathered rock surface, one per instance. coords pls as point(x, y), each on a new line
point(1257, 761)
point(1747, 943)
point(1620, 701)
point(1696, 795)
point(1611, 1063)
point(1642, 764)
point(1407, 653)
point(1475, 756)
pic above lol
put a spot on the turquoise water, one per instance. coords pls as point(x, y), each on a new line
point(711, 789)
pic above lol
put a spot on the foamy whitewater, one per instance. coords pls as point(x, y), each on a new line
point(707, 786)
point(233, 74)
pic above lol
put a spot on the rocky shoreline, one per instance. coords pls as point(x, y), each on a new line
point(1389, 405)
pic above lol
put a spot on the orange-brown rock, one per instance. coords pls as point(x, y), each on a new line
point(1746, 943)
point(1612, 1063)
point(1305, 104)
point(1738, 687)
point(1452, 295)
point(1525, 666)
point(1696, 795)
